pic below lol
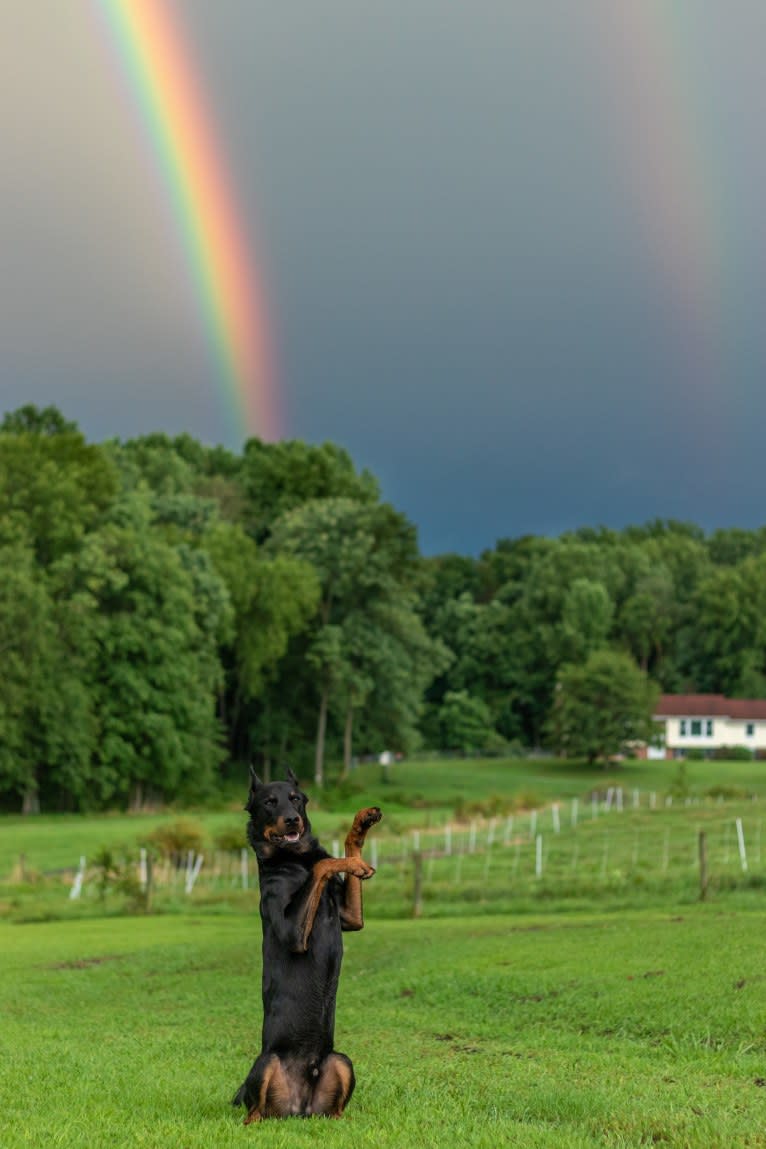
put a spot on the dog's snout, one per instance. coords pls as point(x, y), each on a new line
point(292, 820)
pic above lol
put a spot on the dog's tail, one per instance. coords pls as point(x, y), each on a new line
point(239, 1096)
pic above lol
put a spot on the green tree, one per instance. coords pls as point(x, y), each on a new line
point(548, 627)
point(601, 706)
point(54, 487)
point(648, 616)
point(387, 661)
point(586, 619)
point(483, 659)
point(32, 420)
point(364, 554)
point(46, 724)
point(280, 477)
point(466, 723)
point(274, 597)
point(154, 617)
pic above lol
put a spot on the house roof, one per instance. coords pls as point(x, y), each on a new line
point(709, 706)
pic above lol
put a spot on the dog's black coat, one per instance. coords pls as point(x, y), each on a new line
point(304, 907)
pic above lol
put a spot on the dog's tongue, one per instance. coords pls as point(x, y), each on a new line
point(291, 838)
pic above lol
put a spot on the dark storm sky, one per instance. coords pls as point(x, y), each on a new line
point(513, 251)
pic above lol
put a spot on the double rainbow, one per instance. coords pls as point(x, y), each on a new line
point(150, 46)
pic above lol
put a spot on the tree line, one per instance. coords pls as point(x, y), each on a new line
point(168, 608)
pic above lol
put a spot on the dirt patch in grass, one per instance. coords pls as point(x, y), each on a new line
point(85, 963)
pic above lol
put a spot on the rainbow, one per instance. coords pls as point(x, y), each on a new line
point(172, 109)
point(661, 139)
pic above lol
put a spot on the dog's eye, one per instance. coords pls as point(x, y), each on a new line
point(270, 802)
point(295, 798)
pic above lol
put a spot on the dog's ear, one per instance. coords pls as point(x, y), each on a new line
point(255, 782)
point(291, 778)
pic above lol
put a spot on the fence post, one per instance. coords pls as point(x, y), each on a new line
point(703, 865)
point(149, 887)
point(417, 895)
point(741, 844)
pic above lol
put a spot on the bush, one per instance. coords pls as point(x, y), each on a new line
point(176, 838)
point(496, 805)
point(679, 787)
point(733, 754)
point(338, 793)
point(231, 838)
point(726, 793)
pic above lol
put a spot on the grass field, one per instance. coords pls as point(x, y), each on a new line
point(563, 987)
point(620, 1030)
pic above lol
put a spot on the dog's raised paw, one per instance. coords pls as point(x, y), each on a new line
point(369, 817)
point(359, 868)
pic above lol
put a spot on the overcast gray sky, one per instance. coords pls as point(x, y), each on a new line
point(514, 251)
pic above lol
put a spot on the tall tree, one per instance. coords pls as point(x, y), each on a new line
point(54, 487)
point(280, 477)
point(363, 554)
point(155, 616)
point(601, 706)
point(274, 597)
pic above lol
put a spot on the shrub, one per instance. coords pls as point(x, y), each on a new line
point(231, 838)
point(495, 806)
point(679, 787)
point(733, 754)
point(727, 793)
point(176, 838)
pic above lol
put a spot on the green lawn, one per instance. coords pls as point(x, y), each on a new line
point(634, 1017)
point(572, 1031)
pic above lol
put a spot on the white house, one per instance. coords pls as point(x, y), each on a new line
point(710, 722)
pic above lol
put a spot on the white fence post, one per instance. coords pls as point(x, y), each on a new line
point(192, 877)
point(79, 877)
point(741, 844)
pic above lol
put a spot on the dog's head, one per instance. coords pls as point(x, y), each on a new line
point(278, 820)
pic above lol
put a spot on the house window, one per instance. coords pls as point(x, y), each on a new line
point(682, 727)
point(696, 726)
point(709, 727)
point(750, 729)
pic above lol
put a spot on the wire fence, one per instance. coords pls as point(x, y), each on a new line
point(612, 843)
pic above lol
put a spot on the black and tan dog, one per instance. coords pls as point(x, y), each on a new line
point(304, 906)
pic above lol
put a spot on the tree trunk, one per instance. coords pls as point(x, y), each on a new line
point(321, 728)
point(347, 737)
point(137, 798)
point(31, 801)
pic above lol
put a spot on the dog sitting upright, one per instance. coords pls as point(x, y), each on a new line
point(304, 906)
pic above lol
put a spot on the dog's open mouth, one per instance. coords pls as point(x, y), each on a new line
point(287, 839)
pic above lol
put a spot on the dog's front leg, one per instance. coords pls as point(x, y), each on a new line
point(351, 914)
point(306, 909)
